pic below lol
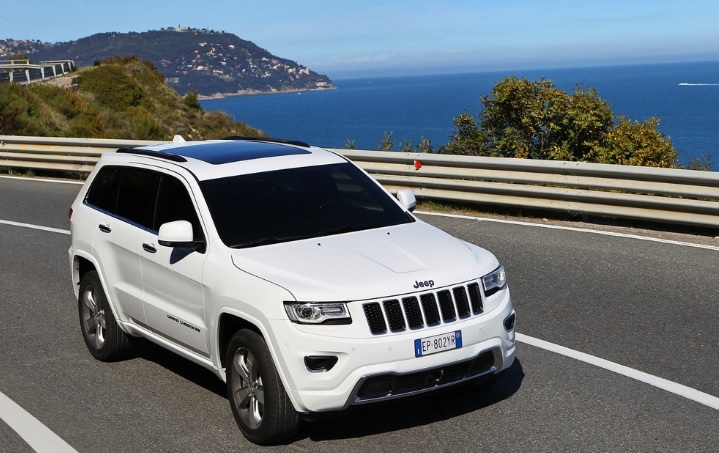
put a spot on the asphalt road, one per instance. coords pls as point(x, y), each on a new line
point(651, 306)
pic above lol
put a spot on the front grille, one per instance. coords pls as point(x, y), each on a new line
point(423, 310)
point(394, 385)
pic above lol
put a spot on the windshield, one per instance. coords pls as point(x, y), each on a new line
point(298, 203)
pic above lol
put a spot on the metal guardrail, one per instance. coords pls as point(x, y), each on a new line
point(657, 194)
point(21, 71)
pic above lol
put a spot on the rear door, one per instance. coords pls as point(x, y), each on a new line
point(123, 202)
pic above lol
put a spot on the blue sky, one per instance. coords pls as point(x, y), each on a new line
point(392, 37)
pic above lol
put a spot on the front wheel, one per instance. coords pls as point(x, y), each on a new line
point(262, 409)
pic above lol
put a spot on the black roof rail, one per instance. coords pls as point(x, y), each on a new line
point(147, 152)
point(268, 139)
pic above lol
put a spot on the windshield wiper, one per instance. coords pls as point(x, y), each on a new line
point(268, 241)
point(257, 242)
point(278, 239)
point(340, 229)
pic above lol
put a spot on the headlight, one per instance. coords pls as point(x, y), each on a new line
point(318, 313)
point(494, 281)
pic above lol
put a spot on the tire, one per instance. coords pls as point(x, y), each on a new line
point(103, 336)
point(262, 409)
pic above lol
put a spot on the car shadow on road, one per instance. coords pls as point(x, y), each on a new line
point(361, 421)
point(417, 411)
point(182, 367)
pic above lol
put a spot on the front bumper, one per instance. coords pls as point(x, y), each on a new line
point(381, 367)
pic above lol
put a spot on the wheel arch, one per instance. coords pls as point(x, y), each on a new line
point(228, 324)
point(81, 265)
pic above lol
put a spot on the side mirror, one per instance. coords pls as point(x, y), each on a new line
point(177, 234)
point(407, 199)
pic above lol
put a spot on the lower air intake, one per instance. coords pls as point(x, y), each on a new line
point(395, 385)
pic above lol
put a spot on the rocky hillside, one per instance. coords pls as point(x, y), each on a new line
point(203, 61)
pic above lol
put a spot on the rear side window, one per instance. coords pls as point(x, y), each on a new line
point(104, 189)
point(126, 192)
point(136, 199)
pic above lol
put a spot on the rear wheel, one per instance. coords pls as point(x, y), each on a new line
point(103, 336)
point(262, 409)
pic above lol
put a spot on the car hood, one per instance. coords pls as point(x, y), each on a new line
point(367, 264)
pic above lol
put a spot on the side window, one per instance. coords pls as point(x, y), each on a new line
point(136, 199)
point(174, 203)
point(354, 193)
point(103, 191)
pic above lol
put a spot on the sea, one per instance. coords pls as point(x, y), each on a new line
point(684, 96)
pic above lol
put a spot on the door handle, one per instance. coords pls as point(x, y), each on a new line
point(148, 247)
point(105, 228)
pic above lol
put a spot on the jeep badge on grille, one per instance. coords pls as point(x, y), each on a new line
point(424, 284)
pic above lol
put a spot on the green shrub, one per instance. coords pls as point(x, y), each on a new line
point(122, 97)
point(536, 120)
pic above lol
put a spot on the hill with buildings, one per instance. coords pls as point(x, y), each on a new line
point(204, 61)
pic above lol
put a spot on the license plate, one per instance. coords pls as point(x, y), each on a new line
point(437, 343)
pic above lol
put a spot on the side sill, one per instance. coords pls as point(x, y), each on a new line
point(192, 356)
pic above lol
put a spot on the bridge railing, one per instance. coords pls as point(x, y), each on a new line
point(21, 71)
point(657, 194)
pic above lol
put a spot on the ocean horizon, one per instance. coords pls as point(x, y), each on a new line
point(684, 96)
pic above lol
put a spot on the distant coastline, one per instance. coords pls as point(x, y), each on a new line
point(258, 92)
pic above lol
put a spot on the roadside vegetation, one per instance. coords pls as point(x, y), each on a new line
point(119, 98)
point(536, 120)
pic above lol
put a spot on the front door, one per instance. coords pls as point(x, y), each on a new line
point(172, 276)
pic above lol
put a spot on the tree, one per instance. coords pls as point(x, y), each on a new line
point(387, 143)
point(468, 139)
point(19, 57)
point(537, 120)
point(635, 143)
point(522, 118)
point(191, 100)
point(585, 122)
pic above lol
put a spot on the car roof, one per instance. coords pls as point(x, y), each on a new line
point(221, 158)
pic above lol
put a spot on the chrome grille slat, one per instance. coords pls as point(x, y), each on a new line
point(424, 310)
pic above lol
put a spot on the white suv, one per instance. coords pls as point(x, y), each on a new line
point(287, 271)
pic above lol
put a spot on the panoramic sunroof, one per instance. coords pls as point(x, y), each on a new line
point(237, 151)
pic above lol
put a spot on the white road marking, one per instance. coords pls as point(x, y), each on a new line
point(34, 227)
point(664, 384)
point(58, 181)
point(37, 435)
point(568, 228)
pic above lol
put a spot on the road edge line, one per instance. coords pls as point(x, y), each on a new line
point(569, 228)
point(38, 436)
point(34, 227)
point(655, 381)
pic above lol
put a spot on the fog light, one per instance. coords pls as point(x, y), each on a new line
point(509, 322)
point(320, 363)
